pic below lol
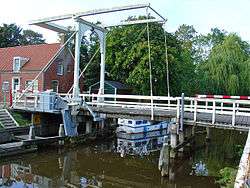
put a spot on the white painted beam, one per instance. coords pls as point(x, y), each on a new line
point(53, 27)
point(136, 22)
point(89, 13)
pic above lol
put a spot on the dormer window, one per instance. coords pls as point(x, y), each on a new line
point(16, 64)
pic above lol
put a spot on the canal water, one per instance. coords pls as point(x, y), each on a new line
point(100, 165)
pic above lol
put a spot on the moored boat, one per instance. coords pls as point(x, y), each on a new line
point(131, 126)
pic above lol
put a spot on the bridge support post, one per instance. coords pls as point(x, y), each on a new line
point(164, 158)
point(101, 124)
point(88, 127)
point(208, 136)
point(173, 139)
point(181, 140)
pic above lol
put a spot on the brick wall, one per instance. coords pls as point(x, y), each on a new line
point(24, 76)
point(65, 80)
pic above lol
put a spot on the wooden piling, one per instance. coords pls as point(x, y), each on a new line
point(164, 158)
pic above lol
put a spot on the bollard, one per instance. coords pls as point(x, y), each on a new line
point(32, 133)
point(61, 133)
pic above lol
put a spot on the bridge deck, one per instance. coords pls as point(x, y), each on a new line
point(203, 119)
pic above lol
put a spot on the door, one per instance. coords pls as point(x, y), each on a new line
point(54, 85)
point(15, 84)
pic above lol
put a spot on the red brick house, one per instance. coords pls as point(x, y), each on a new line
point(20, 65)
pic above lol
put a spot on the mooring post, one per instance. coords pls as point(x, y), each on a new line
point(88, 127)
point(61, 131)
point(164, 158)
point(32, 128)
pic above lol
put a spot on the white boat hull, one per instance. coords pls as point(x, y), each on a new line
point(142, 128)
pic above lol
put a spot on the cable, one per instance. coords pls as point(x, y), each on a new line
point(166, 52)
point(150, 70)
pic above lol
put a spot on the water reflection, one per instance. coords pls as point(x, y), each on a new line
point(140, 143)
point(99, 165)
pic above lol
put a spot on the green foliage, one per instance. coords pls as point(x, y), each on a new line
point(13, 35)
point(215, 63)
point(222, 72)
point(227, 177)
point(21, 120)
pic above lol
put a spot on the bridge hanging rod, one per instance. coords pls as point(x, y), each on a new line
point(95, 12)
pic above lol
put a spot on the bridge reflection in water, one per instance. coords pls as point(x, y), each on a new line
point(100, 165)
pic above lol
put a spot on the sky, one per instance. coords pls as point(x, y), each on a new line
point(230, 15)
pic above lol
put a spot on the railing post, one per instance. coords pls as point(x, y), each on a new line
point(234, 114)
point(178, 115)
point(206, 104)
point(195, 110)
point(152, 108)
point(36, 101)
point(214, 111)
point(182, 111)
point(25, 100)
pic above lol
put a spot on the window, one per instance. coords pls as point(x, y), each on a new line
point(60, 69)
point(129, 122)
point(33, 87)
point(28, 83)
point(15, 84)
point(54, 85)
point(5, 86)
point(138, 122)
point(69, 68)
point(16, 64)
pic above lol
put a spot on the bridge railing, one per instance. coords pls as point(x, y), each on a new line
point(35, 101)
point(193, 106)
point(131, 101)
point(229, 107)
point(213, 107)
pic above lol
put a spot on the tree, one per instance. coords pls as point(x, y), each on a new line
point(13, 35)
point(10, 35)
point(31, 37)
point(227, 68)
point(203, 44)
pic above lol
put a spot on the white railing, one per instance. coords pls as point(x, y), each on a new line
point(193, 106)
point(34, 101)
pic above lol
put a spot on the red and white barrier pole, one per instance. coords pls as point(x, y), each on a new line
point(223, 97)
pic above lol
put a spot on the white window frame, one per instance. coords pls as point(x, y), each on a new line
point(61, 68)
point(12, 84)
point(27, 84)
point(8, 87)
point(57, 85)
point(19, 64)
